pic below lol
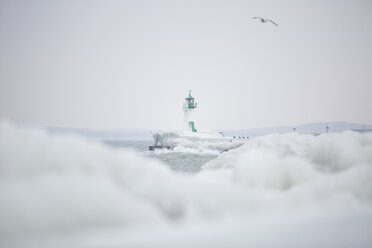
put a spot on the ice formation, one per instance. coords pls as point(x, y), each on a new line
point(283, 190)
point(201, 141)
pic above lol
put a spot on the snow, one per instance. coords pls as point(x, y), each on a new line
point(281, 190)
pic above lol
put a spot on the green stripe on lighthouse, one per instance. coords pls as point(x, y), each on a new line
point(192, 126)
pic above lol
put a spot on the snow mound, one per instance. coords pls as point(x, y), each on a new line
point(278, 190)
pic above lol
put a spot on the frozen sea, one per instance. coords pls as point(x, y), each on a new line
point(277, 190)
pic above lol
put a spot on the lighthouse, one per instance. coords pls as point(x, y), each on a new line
point(188, 108)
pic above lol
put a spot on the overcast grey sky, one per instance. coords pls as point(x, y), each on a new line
point(130, 64)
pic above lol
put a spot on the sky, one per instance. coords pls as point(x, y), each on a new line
point(129, 64)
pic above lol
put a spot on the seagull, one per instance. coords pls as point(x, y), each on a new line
point(263, 20)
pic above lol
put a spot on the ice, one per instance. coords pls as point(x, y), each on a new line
point(279, 190)
point(195, 142)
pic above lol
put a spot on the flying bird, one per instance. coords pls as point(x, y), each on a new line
point(263, 20)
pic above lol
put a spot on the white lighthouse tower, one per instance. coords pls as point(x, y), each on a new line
point(188, 108)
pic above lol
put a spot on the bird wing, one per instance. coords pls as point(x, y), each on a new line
point(273, 22)
point(257, 17)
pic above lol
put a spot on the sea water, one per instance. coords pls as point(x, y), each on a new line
point(278, 190)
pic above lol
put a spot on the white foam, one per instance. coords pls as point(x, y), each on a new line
point(277, 190)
